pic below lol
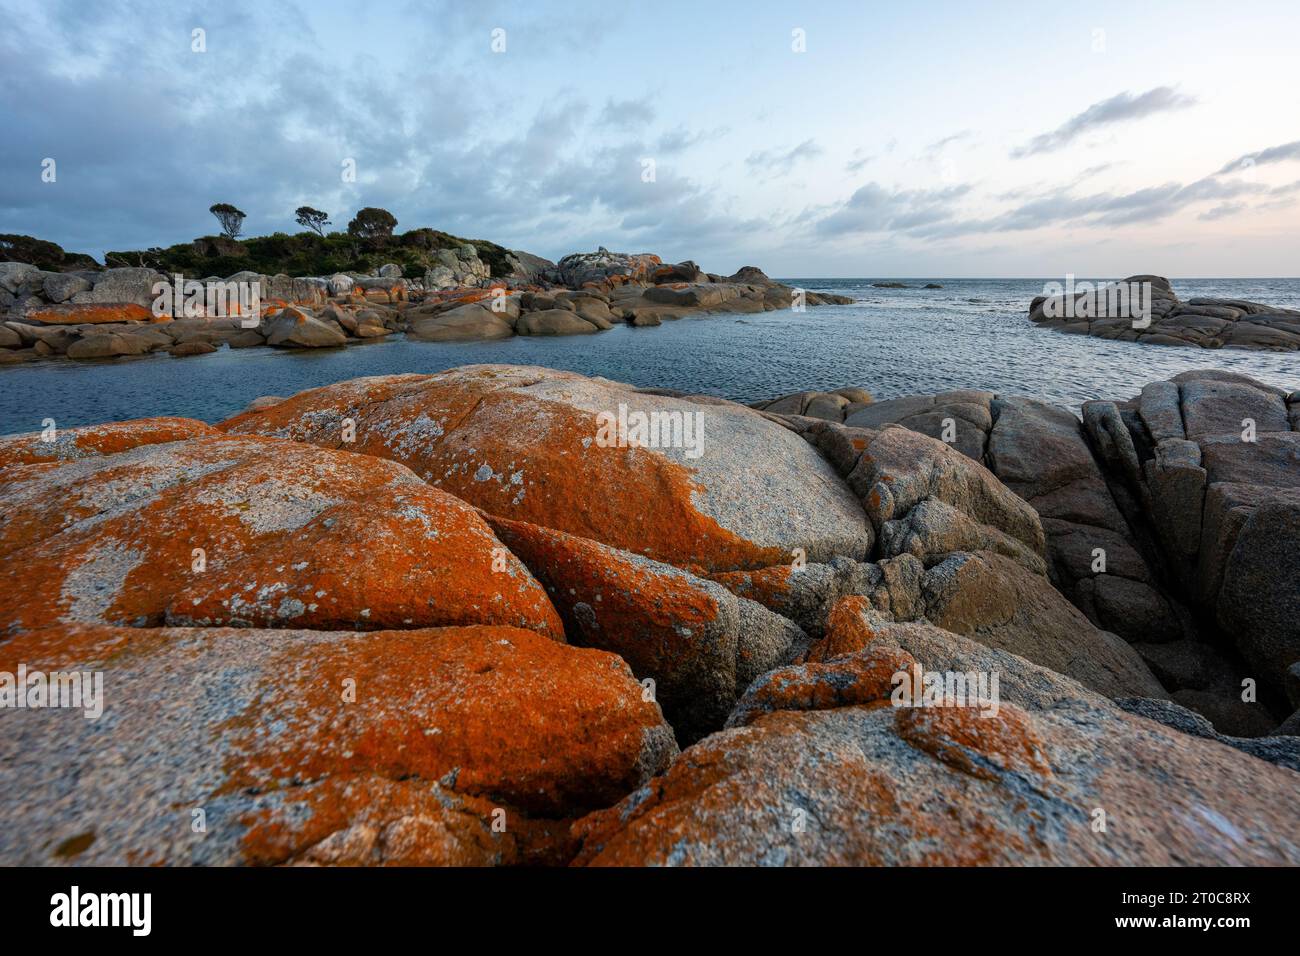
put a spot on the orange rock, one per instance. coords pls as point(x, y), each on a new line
point(91, 441)
point(251, 532)
point(878, 786)
point(701, 644)
point(522, 443)
point(848, 629)
point(91, 314)
point(463, 746)
point(975, 743)
point(856, 679)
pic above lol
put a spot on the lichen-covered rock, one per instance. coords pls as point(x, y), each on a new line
point(581, 268)
point(114, 527)
point(701, 645)
point(466, 323)
point(295, 328)
point(122, 285)
point(734, 491)
point(89, 441)
point(93, 314)
point(450, 746)
point(1056, 776)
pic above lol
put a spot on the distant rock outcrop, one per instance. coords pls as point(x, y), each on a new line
point(1207, 323)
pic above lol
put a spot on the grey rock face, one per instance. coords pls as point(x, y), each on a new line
point(1207, 323)
point(295, 328)
point(884, 785)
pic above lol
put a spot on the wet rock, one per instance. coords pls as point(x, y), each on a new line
point(183, 349)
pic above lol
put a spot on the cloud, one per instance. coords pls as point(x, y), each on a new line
point(777, 162)
point(1120, 108)
point(1223, 211)
point(859, 160)
point(873, 208)
point(627, 114)
point(948, 141)
point(148, 134)
point(1274, 154)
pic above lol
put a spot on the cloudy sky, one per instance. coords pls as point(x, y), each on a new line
point(827, 139)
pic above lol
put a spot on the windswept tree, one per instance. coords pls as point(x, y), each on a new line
point(371, 222)
point(231, 219)
point(313, 219)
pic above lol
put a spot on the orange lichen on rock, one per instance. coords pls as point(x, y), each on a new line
point(863, 678)
point(251, 532)
point(799, 788)
point(770, 587)
point(465, 746)
point(97, 440)
point(92, 314)
point(524, 443)
point(500, 713)
point(848, 628)
point(975, 741)
point(699, 643)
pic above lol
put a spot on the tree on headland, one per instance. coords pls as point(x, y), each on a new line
point(231, 219)
point(372, 222)
point(313, 219)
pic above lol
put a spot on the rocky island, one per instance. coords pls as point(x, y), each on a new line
point(1203, 322)
point(444, 619)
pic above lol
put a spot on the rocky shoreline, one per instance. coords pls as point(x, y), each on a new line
point(1203, 322)
point(448, 619)
point(111, 312)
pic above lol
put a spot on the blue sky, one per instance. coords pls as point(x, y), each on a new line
point(919, 139)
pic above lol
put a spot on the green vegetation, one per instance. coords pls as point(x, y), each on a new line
point(302, 254)
point(308, 254)
point(372, 223)
point(313, 219)
point(47, 256)
point(231, 219)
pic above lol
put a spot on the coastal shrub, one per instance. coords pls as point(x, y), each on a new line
point(300, 254)
point(373, 222)
point(231, 219)
point(48, 256)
